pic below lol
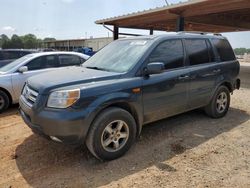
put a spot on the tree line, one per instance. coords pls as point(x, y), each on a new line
point(241, 51)
point(28, 41)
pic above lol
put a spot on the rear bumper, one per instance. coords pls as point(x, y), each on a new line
point(66, 125)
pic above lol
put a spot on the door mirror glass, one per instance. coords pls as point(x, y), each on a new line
point(23, 69)
point(155, 68)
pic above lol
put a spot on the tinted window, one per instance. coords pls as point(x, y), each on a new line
point(43, 62)
point(170, 53)
point(197, 51)
point(1, 56)
point(14, 54)
point(35, 64)
point(224, 49)
point(50, 61)
point(69, 60)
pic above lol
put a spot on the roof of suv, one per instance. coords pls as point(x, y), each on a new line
point(177, 35)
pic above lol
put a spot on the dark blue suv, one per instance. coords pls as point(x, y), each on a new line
point(130, 83)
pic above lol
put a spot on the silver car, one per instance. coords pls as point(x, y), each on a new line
point(14, 75)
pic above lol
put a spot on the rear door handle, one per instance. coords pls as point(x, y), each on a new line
point(183, 77)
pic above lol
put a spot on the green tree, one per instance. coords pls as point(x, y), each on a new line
point(5, 41)
point(29, 41)
point(241, 51)
point(16, 42)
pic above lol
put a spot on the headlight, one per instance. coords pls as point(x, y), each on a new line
point(63, 98)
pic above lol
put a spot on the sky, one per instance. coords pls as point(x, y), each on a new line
point(74, 19)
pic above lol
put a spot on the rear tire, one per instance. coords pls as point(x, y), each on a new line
point(112, 134)
point(219, 105)
point(4, 101)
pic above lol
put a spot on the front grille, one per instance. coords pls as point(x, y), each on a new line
point(30, 95)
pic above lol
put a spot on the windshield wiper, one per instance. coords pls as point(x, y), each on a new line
point(97, 68)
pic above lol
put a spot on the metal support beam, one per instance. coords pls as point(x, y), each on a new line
point(180, 24)
point(116, 33)
point(151, 31)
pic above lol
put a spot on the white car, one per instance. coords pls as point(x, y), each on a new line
point(14, 75)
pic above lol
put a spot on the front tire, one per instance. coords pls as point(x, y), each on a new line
point(112, 134)
point(219, 105)
point(4, 101)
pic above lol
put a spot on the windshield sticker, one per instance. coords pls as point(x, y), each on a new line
point(138, 43)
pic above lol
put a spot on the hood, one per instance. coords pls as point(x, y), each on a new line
point(45, 82)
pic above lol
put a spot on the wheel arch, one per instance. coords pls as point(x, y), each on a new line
point(125, 106)
point(8, 94)
point(228, 85)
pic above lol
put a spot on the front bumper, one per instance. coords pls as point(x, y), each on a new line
point(67, 125)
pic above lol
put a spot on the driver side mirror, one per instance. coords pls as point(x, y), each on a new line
point(154, 68)
point(23, 69)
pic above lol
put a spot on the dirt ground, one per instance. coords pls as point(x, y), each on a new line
point(189, 150)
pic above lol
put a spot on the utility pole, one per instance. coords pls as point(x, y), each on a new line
point(167, 2)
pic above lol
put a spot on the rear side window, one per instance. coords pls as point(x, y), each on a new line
point(170, 53)
point(197, 51)
point(69, 60)
point(224, 49)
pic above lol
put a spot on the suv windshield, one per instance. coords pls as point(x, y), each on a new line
point(119, 56)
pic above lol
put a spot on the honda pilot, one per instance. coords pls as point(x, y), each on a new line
point(130, 83)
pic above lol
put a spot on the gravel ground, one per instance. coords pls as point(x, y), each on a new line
point(188, 150)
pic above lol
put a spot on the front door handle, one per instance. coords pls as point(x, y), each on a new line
point(216, 71)
point(183, 77)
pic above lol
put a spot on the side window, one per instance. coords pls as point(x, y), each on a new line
point(170, 53)
point(50, 61)
point(69, 60)
point(35, 64)
point(43, 62)
point(224, 49)
point(197, 51)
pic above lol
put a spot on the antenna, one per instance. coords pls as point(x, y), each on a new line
point(167, 2)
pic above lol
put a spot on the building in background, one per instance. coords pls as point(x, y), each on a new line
point(68, 45)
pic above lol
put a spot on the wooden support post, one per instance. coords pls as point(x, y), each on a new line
point(151, 31)
point(116, 33)
point(180, 24)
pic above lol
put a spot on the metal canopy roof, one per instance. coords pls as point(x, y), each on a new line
point(199, 15)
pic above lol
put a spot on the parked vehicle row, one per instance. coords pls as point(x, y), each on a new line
point(9, 55)
point(129, 83)
point(14, 75)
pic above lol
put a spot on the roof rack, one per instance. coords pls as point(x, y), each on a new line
point(198, 33)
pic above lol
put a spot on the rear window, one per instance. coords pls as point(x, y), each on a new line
point(224, 49)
